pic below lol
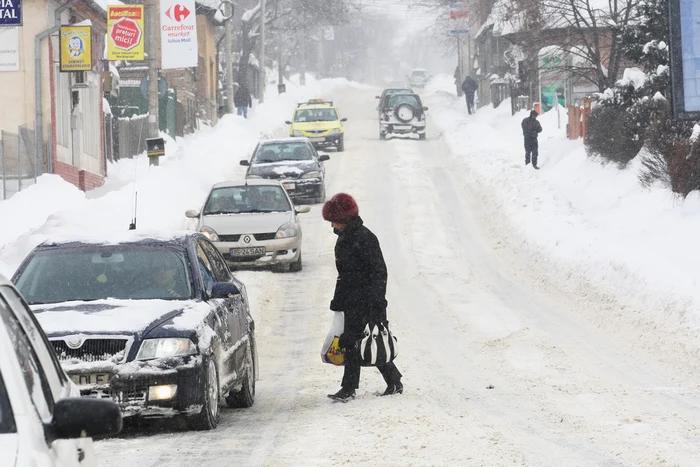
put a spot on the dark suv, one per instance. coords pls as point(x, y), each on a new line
point(402, 114)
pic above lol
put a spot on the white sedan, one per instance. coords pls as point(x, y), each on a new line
point(43, 421)
point(253, 223)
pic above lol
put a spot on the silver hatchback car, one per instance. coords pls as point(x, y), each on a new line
point(253, 223)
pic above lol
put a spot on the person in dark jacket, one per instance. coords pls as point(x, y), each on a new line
point(359, 290)
point(469, 86)
point(531, 129)
point(242, 100)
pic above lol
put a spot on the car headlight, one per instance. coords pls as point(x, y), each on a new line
point(315, 174)
point(165, 348)
point(209, 233)
point(287, 230)
point(335, 131)
point(253, 177)
point(297, 133)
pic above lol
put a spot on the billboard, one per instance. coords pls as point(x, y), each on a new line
point(125, 32)
point(76, 48)
point(178, 34)
point(684, 18)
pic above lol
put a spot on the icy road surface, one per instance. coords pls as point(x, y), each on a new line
point(500, 368)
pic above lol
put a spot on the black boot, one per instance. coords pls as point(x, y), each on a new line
point(344, 395)
point(392, 389)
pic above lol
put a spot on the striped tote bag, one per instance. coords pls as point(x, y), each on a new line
point(377, 346)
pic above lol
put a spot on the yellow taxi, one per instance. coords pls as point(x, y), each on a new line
point(319, 121)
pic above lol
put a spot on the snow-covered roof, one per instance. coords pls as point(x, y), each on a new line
point(99, 237)
point(255, 181)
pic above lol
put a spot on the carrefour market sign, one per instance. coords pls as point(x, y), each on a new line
point(10, 12)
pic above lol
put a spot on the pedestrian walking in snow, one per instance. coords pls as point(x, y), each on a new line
point(360, 290)
point(470, 86)
point(242, 100)
point(531, 129)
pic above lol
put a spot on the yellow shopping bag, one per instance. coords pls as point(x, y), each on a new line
point(331, 351)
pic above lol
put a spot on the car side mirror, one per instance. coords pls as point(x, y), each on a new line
point(343, 119)
point(224, 290)
point(77, 417)
point(288, 122)
point(425, 108)
point(377, 97)
point(192, 213)
point(302, 209)
point(324, 157)
point(245, 163)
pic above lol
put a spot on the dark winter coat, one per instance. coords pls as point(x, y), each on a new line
point(531, 129)
point(469, 85)
point(360, 289)
point(242, 98)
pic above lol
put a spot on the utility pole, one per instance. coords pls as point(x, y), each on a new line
point(152, 37)
point(302, 45)
point(262, 51)
point(229, 64)
point(280, 59)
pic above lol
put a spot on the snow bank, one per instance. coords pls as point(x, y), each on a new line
point(190, 167)
point(579, 218)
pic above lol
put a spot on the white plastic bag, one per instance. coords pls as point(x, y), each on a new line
point(331, 351)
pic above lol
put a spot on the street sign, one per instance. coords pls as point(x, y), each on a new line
point(459, 31)
point(10, 12)
point(162, 87)
point(76, 48)
point(155, 147)
point(459, 14)
point(226, 9)
point(178, 34)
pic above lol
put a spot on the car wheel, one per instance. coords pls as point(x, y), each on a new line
point(341, 144)
point(382, 135)
point(422, 136)
point(322, 197)
point(208, 418)
point(246, 396)
point(297, 265)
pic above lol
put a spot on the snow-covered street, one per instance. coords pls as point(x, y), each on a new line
point(501, 365)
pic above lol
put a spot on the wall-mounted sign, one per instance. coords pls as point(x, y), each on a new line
point(685, 57)
point(178, 34)
point(9, 49)
point(10, 12)
point(76, 48)
point(125, 26)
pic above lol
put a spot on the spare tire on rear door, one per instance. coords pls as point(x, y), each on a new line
point(404, 113)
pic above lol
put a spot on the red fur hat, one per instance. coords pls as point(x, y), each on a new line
point(340, 209)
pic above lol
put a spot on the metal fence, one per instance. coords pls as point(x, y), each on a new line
point(18, 165)
point(129, 136)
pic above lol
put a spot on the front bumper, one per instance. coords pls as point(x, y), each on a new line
point(325, 141)
point(277, 251)
point(129, 387)
point(304, 189)
point(402, 128)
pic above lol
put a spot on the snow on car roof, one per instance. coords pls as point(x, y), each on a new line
point(252, 181)
point(118, 237)
point(288, 139)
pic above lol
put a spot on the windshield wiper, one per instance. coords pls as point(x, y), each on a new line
point(212, 213)
point(263, 161)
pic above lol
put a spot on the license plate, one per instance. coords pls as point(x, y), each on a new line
point(250, 251)
point(402, 127)
point(318, 140)
point(91, 379)
point(288, 186)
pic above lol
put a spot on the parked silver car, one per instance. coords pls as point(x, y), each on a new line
point(253, 223)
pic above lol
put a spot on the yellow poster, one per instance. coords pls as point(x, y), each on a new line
point(125, 32)
point(76, 48)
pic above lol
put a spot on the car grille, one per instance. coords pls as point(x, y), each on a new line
point(264, 236)
point(316, 132)
point(287, 176)
point(92, 350)
point(229, 238)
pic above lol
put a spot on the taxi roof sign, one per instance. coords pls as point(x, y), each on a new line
point(315, 102)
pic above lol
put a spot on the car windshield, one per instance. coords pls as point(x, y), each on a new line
point(396, 100)
point(315, 115)
point(98, 272)
point(247, 199)
point(396, 91)
point(278, 152)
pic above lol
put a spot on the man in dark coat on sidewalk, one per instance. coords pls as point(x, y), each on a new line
point(531, 129)
point(360, 289)
point(469, 86)
point(242, 100)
